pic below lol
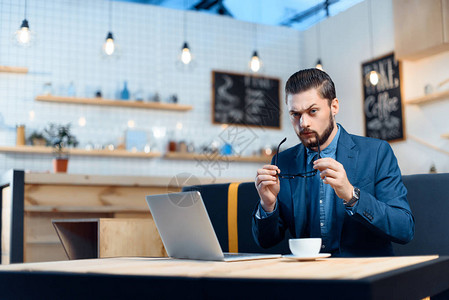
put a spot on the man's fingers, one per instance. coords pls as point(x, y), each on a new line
point(328, 173)
point(261, 178)
point(331, 181)
point(268, 170)
point(265, 184)
point(270, 167)
point(326, 163)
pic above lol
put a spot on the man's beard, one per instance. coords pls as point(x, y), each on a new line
point(322, 139)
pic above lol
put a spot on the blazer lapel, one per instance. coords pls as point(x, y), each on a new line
point(347, 155)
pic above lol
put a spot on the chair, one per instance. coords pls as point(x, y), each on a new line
point(230, 207)
point(428, 196)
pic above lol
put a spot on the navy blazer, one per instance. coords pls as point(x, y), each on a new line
point(381, 216)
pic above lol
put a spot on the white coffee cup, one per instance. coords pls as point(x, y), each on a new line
point(305, 246)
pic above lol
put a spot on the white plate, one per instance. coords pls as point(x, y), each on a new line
point(313, 257)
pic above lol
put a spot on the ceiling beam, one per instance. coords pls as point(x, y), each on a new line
point(309, 12)
point(206, 4)
point(213, 5)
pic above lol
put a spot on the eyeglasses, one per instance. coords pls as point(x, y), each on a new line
point(302, 175)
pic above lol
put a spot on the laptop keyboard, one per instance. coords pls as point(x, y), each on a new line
point(227, 254)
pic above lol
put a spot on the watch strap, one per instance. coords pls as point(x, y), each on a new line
point(355, 197)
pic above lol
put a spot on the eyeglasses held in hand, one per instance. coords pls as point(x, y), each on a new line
point(302, 175)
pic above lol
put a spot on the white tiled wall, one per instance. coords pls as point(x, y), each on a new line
point(69, 35)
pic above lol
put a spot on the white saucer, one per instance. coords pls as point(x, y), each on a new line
point(313, 257)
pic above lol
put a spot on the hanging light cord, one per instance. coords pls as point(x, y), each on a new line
point(25, 14)
point(255, 35)
point(255, 25)
point(184, 21)
point(318, 39)
point(110, 15)
point(370, 18)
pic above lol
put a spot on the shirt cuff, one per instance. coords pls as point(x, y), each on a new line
point(350, 209)
point(262, 214)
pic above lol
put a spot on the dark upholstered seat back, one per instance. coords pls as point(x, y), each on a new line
point(215, 198)
point(428, 195)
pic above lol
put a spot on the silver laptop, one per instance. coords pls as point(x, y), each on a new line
point(186, 230)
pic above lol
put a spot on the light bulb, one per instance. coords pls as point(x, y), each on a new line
point(255, 62)
point(373, 77)
point(82, 121)
point(109, 46)
point(23, 35)
point(319, 66)
point(186, 56)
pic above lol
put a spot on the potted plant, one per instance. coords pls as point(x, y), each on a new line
point(60, 138)
point(37, 138)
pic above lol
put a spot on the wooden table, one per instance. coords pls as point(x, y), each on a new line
point(413, 277)
point(29, 201)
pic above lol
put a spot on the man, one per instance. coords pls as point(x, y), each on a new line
point(355, 200)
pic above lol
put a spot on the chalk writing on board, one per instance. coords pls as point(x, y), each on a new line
point(245, 100)
point(227, 105)
point(382, 102)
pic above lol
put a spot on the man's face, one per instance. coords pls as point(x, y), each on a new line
point(310, 115)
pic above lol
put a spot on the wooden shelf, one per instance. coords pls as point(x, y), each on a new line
point(109, 102)
point(429, 98)
point(211, 157)
point(6, 69)
point(445, 135)
point(45, 178)
point(124, 153)
point(78, 152)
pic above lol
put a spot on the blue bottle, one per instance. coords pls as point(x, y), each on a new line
point(226, 149)
point(124, 95)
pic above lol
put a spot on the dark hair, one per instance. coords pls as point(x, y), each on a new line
point(306, 79)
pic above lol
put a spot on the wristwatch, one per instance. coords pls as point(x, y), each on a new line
point(355, 197)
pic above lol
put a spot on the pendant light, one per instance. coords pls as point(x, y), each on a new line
point(255, 64)
point(186, 56)
point(318, 65)
point(24, 35)
point(109, 46)
point(373, 77)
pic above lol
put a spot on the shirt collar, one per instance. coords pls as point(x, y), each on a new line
point(329, 151)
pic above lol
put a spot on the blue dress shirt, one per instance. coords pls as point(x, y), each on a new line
point(323, 202)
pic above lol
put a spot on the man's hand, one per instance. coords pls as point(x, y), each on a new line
point(333, 173)
point(267, 185)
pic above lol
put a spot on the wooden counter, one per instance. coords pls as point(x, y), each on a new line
point(413, 277)
point(31, 200)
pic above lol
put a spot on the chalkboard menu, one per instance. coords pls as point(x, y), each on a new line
point(244, 99)
point(382, 102)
